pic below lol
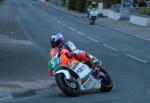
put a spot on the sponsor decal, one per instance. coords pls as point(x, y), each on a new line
point(73, 64)
point(85, 78)
point(80, 69)
point(88, 82)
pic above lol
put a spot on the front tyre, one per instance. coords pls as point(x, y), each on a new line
point(106, 82)
point(93, 22)
point(69, 87)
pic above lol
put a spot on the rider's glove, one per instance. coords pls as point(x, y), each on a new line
point(73, 53)
point(70, 54)
point(76, 52)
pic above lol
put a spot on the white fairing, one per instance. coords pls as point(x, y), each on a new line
point(84, 71)
point(93, 13)
point(65, 72)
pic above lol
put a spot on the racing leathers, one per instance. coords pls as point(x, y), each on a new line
point(80, 55)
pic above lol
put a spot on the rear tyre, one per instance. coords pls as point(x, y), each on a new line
point(106, 82)
point(69, 87)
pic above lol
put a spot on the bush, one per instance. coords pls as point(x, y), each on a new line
point(72, 4)
point(78, 5)
point(63, 2)
point(115, 1)
point(84, 5)
point(144, 11)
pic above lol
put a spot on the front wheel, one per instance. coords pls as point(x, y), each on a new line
point(106, 82)
point(92, 21)
point(69, 87)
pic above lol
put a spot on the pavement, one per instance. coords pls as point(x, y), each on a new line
point(15, 45)
point(122, 26)
point(16, 89)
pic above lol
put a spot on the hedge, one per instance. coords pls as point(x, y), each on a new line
point(144, 11)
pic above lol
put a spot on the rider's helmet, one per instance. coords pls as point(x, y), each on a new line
point(94, 4)
point(57, 40)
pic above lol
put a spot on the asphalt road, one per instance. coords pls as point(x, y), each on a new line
point(126, 58)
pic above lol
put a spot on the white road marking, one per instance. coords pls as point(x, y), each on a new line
point(49, 16)
point(114, 49)
point(5, 96)
point(44, 14)
point(71, 28)
point(80, 33)
point(65, 25)
point(12, 32)
point(135, 58)
point(54, 19)
point(146, 39)
point(92, 39)
point(59, 22)
point(14, 41)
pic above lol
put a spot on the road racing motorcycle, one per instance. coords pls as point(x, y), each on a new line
point(73, 76)
point(93, 13)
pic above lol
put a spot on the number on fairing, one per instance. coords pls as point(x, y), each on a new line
point(52, 64)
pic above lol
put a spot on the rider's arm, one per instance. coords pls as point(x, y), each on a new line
point(70, 45)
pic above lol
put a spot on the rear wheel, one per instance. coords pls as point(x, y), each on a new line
point(106, 82)
point(70, 87)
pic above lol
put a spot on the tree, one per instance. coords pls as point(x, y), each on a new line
point(108, 3)
point(71, 4)
point(63, 2)
point(81, 5)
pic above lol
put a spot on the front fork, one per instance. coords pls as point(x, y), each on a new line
point(94, 60)
point(97, 74)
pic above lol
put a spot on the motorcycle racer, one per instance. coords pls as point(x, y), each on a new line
point(93, 5)
point(57, 42)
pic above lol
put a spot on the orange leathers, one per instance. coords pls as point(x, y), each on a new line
point(64, 59)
